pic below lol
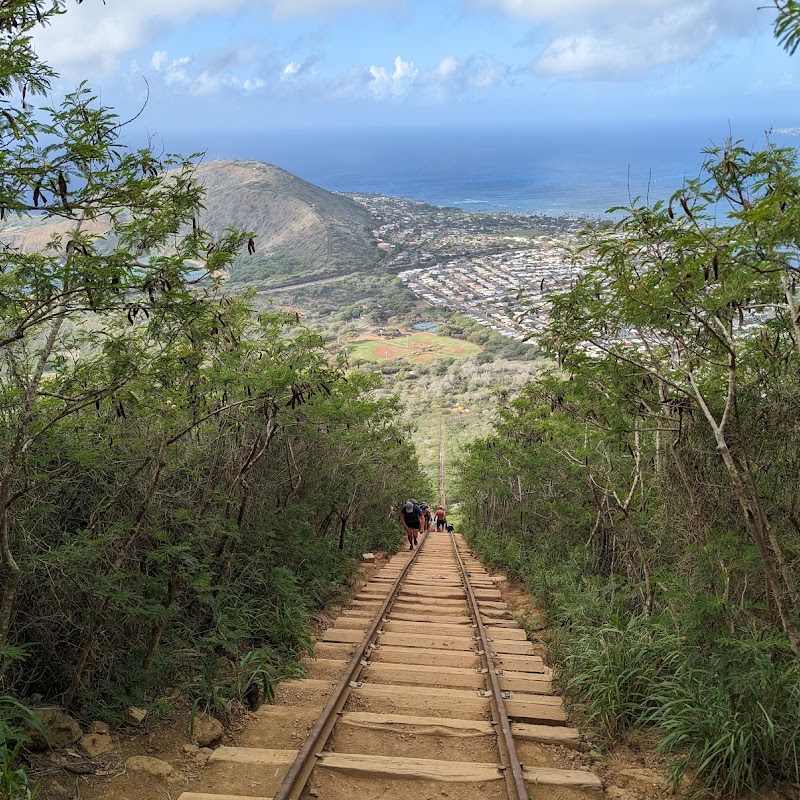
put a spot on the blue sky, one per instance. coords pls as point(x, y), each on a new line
point(264, 65)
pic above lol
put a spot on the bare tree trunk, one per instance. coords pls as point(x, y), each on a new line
point(754, 518)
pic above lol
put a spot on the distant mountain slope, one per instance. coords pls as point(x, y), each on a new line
point(301, 231)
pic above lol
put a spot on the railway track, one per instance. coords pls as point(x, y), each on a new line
point(424, 688)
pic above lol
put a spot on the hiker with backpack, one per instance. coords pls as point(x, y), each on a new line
point(426, 516)
point(412, 517)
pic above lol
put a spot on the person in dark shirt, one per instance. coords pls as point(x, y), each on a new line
point(426, 516)
point(411, 517)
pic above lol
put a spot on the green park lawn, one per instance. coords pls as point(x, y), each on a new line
point(417, 347)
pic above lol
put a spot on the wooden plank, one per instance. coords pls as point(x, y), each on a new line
point(503, 647)
point(455, 609)
point(489, 614)
point(430, 628)
point(507, 634)
point(342, 635)
point(412, 674)
point(353, 623)
point(546, 734)
point(445, 619)
point(496, 605)
point(253, 755)
point(428, 642)
point(333, 650)
point(415, 604)
point(431, 593)
point(423, 726)
point(513, 663)
point(532, 683)
point(426, 769)
point(431, 696)
point(425, 657)
point(564, 779)
point(538, 713)
point(488, 594)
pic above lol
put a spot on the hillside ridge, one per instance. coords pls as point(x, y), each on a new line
point(301, 230)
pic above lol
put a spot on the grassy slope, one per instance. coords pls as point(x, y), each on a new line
point(301, 231)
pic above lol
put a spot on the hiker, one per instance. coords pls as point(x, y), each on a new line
point(441, 519)
point(426, 517)
point(411, 516)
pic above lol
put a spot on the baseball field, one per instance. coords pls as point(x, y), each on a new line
point(417, 347)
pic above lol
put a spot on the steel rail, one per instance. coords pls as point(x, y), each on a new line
point(300, 770)
point(509, 760)
point(442, 498)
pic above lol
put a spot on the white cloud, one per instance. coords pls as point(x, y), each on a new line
point(613, 39)
point(90, 38)
point(294, 70)
point(393, 84)
point(185, 75)
point(447, 69)
point(159, 60)
point(474, 72)
point(286, 9)
point(290, 70)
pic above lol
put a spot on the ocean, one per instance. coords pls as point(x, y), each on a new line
point(574, 170)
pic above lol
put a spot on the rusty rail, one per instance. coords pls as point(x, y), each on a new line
point(296, 778)
point(442, 498)
point(509, 760)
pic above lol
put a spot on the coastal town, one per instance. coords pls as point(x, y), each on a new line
point(493, 268)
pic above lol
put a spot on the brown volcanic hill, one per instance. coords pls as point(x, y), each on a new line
point(301, 231)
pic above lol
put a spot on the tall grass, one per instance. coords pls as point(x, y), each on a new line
point(727, 709)
point(611, 673)
point(733, 717)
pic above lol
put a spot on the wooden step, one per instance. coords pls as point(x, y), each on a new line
point(412, 674)
point(512, 663)
point(458, 728)
point(530, 682)
point(364, 765)
point(343, 635)
point(465, 659)
point(431, 697)
point(432, 642)
point(420, 726)
point(564, 779)
point(428, 628)
point(443, 619)
point(538, 712)
point(451, 610)
point(546, 734)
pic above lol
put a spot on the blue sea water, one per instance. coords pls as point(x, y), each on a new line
point(555, 169)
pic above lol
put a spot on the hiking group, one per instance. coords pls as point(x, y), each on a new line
point(417, 517)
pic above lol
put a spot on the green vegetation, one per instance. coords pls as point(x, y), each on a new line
point(646, 490)
point(184, 480)
point(416, 347)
